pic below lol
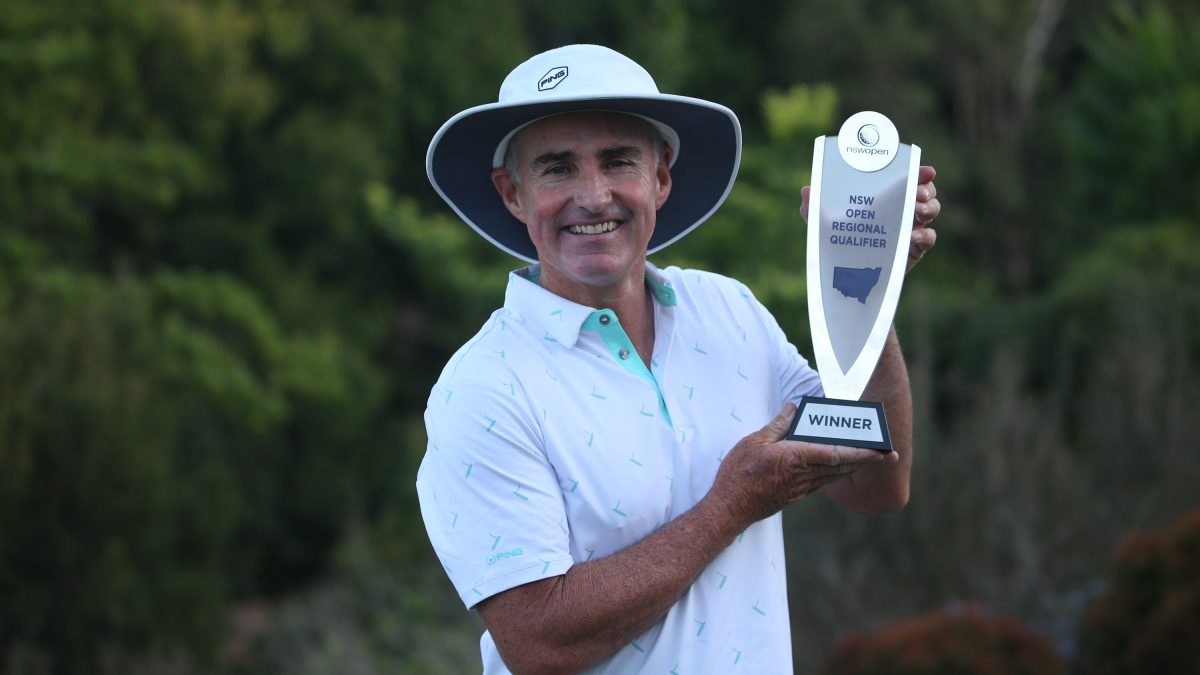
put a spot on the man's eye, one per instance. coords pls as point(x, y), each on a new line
point(617, 163)
point(556, 170)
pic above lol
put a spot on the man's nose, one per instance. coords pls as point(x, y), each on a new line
point(595, 193)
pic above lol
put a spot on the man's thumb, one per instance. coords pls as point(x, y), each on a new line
point(778, 427)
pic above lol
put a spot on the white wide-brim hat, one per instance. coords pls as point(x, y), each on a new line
point(705, 137)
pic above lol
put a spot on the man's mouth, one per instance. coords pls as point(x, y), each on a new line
point(598, 228)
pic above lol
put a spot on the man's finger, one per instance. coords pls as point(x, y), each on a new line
point(843, 455)
point(924, 238)
point(925, 212)
point(778, 427)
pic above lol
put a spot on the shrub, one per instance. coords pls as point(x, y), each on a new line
point(946, 643)
point(1147, 619)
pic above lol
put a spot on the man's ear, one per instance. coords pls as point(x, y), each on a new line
point(508, 191)
point(662, 170)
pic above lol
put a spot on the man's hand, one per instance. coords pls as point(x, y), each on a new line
point(927, 209)
point(764, 473)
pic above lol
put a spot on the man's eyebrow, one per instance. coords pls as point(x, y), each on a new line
point(551, 158)
point(631, 151)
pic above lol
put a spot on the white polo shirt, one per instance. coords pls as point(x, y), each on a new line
point(551, 443)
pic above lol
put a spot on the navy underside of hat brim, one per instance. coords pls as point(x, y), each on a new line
point(709, 138)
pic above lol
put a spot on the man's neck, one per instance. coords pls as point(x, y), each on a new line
point(630, 300)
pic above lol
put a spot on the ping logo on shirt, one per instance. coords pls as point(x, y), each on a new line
point(492, 558)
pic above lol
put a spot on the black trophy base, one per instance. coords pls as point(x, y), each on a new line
point(833, 421)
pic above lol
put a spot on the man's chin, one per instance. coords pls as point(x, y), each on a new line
point(598, 270)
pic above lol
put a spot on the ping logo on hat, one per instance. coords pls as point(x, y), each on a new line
point(552, 78)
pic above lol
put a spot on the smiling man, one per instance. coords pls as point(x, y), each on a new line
point(593, 184)
point(605, 469)
point(589, 194)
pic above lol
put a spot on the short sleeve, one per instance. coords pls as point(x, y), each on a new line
point(490, 500)
point(796, 377)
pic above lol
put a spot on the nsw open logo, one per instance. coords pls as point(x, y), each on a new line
point(868, 135)
point(868, 141)
point(552, 78)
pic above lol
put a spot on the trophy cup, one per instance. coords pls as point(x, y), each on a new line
point(864, 187)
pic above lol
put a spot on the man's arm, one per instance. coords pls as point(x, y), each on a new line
point(566, 623)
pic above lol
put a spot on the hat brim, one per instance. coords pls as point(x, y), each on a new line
point(459, 162)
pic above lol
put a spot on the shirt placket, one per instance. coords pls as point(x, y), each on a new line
point(604, 323)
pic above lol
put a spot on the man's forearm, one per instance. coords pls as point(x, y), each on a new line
point(600, 606)
point(567, 623)
point(884, 488)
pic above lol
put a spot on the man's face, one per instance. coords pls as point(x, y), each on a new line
point(588, 188)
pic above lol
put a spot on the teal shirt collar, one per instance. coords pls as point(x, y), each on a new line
point(558, 318)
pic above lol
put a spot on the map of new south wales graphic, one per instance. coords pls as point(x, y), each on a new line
point(855, 282)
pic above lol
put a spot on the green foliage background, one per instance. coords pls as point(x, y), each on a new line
point(226, 288)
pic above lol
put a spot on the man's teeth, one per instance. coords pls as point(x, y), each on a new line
point(593, 229)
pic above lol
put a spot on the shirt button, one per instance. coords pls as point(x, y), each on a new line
point(604, 319)
point(624, 354)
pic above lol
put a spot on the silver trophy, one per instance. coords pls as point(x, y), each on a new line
point(864, 188)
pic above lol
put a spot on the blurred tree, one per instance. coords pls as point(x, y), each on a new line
point(99, 541)
point(1148, 617)
point(962, 643)
point(162, 444)
point(1131, 126)
point(190, 408)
